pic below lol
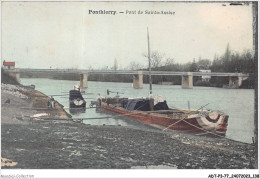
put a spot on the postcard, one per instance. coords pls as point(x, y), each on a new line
point(144, 89)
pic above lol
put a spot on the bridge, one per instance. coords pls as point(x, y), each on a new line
point(235, 79)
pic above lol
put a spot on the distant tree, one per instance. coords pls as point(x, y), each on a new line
point(156, 59)
point(169, 61)
point(215, 57)
point(234, 62)
point(227, 54)
point(115, 65)
point(134, 66)
point(204, 62)
point(193, 67)
point(7, 78)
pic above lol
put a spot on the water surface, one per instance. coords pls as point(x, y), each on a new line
point(237, 103)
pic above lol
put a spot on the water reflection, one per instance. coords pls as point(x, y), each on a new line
point(75, 111)
point(105, 118)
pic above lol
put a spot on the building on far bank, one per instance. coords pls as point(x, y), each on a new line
point(205, 69)
point(9, 65)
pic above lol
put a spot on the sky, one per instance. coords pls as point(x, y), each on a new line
point(65, 35)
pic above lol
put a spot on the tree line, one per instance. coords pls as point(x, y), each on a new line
point(230, 61)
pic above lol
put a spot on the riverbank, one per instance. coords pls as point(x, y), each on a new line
point(31, 143)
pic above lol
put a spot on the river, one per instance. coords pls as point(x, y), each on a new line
point(237, 103)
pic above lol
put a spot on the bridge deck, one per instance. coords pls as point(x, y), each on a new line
point(128, 72)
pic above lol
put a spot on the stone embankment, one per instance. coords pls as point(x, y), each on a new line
point(30, 143)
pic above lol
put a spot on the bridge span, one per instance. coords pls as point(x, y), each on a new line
point(235, 79)
point(131, 72)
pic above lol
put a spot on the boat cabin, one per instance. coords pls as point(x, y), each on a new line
point(141, 104)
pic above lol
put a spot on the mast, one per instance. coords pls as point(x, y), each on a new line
point(149, 59)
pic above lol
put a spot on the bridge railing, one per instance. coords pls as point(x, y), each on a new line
point(131, 72)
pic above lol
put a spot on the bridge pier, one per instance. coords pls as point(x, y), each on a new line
point(83, 81)
point(235, 81)
point(138, 80)
point(187, 81)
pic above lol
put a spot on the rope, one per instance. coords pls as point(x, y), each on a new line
point(141, 106)
point(203, 129)
point(79, 108)
point(106, 117)
point(56, 108)
point(131, 113)
point(36, 108)
point(134, 112)
point(173, 124)
point(184, 121)
point(193, 126)
point(184, 117)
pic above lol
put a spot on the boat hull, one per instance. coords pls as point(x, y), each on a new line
point(196, 123)
point(76, 100)
point(77, 106)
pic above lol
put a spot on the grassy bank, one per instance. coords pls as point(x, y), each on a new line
point(7, 79)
